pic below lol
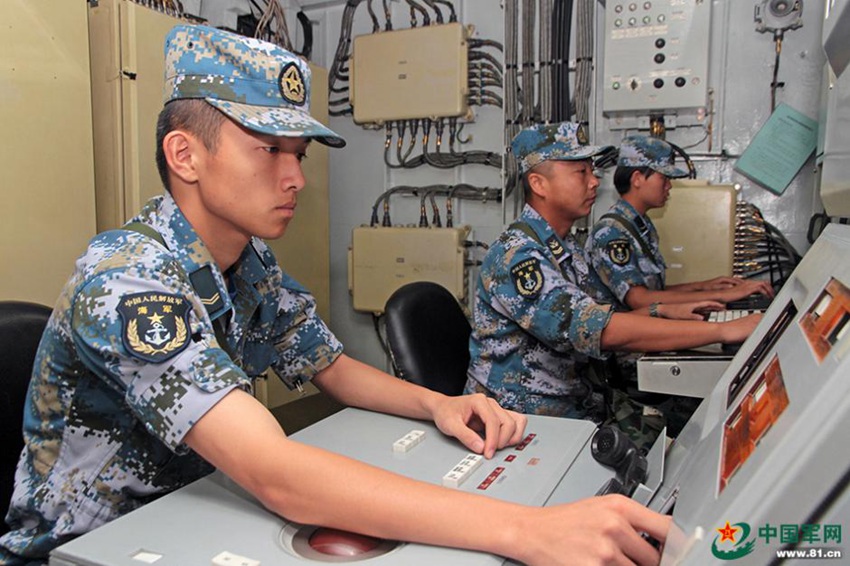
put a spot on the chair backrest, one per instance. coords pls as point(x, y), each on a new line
point(428, 337)
point(21, 327)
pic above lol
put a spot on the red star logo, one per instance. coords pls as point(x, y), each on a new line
point(728, 532)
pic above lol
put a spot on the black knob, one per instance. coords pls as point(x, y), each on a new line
point(659, 43)
point(680, 82)
point(658, 83)
point(659, 58)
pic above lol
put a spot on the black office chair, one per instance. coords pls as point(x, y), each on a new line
point(21, 327)
point(428, 337)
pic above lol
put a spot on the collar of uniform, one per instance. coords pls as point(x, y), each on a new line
point(193, 255)
point(250, 267)
point(625, 208)
point(545, 232)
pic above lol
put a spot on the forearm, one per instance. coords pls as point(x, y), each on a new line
point(382, 504)
point(639, 297)
point(635, 333)
point(312, 486)
point(359, 385)
point(687, 287)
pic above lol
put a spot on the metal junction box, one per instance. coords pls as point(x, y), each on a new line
point(697, 217)
point(411, 73)
point(381, 260)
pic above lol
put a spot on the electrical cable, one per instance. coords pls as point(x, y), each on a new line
point(307, 30)
point(438, 15)
point(584, 60)
point(381, 340)
point(692, 170)
point(511, 112)
point(272, 26)
point(545, 50)
point(562, 17)
point(452, 13)
point(376, 27)
point(414, 7)
point(527, 76)
point(388, 26)
point(775, 84)
point(760, 248)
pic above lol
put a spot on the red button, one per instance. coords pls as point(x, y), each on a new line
point(334, 542)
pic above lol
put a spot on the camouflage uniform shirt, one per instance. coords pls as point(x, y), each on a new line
point(536, 324)
point(130, 361)
point(619, 259)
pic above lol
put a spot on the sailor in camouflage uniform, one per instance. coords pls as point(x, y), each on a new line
point(540, 315)
point(536, 322)
point(624, 250)
point(139, 385)
point(623, 243)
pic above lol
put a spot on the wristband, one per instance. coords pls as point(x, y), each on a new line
point(653, 310)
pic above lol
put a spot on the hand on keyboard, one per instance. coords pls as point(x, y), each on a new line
point(735, 330)
point(697, 310)
point(727, 315)
point(747, 288)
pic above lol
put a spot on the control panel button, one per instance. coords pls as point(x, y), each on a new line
point(334, 542)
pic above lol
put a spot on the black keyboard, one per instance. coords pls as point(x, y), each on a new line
point(757, 302)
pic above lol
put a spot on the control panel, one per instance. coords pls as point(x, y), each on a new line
point(551, 462)
point(656, 56)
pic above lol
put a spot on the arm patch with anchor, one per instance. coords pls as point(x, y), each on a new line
point(620, 251)
point(155, 326)
point(528, 278)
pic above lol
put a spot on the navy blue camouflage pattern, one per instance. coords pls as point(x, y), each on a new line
point(619, 259)
point(645, 151)
point(110, 402)
point(566, 141)
point(260, 85)
point(535, 328)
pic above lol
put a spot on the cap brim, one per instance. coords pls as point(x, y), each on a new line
point(276, 121)
point(583, 152)
point(670, 171)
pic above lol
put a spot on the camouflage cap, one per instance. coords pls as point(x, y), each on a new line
point(566, 141)
point(258, 84)
point(645, 151)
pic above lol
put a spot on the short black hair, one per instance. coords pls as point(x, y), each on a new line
point(623, 177)
point(195, 116)
point(543, 168)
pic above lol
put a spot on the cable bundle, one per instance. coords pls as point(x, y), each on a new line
point(459, 191)
point(760, 248)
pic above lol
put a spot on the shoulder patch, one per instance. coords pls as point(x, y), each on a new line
point(528, 278)
point(155, 326)
point(620, 251)
point(555, 247)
